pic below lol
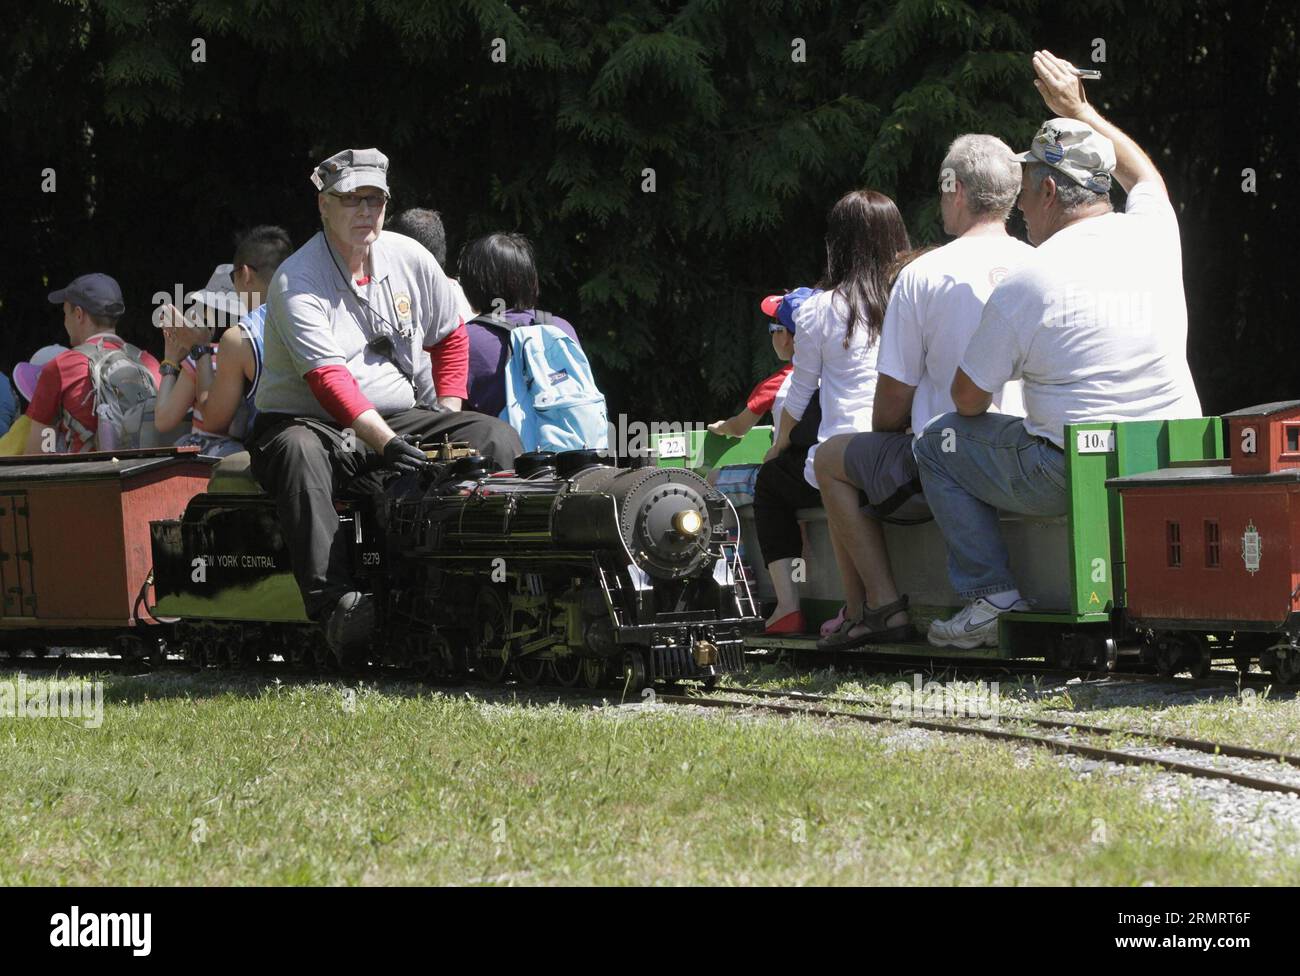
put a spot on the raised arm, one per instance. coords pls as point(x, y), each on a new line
point(228, 383)
point(1062, 90)
point(176, 393)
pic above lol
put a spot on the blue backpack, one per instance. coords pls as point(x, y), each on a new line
point(551, 398)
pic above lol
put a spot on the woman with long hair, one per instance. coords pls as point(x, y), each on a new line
point(837, 337)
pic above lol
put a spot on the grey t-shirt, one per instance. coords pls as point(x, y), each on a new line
point(317, 316)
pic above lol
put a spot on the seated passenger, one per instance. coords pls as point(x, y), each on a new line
point(838, 332)
point(347, 390)
point(229, 407)
point(737, 480)
point(500, 280)
point(934, 308)
point(188, 348)
point(8, 404)
point(1095, 324)
point(426, 227)
point(64, 408)
point(769, 394)
point(26, 374)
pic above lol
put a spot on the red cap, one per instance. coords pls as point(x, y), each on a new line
point(770, 304)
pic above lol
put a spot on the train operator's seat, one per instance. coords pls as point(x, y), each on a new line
point(233, 475)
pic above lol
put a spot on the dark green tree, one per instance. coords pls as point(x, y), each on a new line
point(673, 162)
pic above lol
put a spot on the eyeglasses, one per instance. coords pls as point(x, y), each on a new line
point(774, 327)
point(375, 201)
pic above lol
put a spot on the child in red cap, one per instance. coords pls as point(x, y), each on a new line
point(769, 393)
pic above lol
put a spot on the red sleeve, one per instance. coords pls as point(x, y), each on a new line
point(763, 395)
point(335, 388)
point(152, 365)
point(451, 363)
point(46, 400)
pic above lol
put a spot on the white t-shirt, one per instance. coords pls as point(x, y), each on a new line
point(1094, 322)
point(847, 376)
point(934, 310)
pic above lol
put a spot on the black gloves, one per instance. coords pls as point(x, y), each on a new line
point(401, 453)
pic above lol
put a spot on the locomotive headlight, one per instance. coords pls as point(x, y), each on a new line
point(688, 523)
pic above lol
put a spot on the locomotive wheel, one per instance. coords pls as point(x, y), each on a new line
point(529, 670)
point(1168, 659)
point(1287, 667)
point(459, 658)
point(566, 671)
point(593, 671)
point(492, 668)
point(491, 625)
point(634, 673)
point(1197, 657)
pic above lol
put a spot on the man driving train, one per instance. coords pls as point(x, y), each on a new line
point(355, 350)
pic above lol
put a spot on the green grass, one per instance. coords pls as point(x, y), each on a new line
point(220, 780)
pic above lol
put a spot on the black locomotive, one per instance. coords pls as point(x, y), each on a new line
point(568, 569)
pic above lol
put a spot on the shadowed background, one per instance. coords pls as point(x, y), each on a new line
point(159, 159)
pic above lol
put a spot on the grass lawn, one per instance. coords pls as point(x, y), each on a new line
point(216, 779)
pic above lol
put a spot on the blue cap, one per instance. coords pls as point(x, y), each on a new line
point(98, 294)
point(790, 304)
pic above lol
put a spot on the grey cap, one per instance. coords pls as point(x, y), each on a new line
point(97, 293)
point(1075, 149)
point(351, 168)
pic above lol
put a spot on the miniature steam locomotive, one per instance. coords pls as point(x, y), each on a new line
point(567, 569)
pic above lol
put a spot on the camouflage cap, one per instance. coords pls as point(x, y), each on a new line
point(352, 168)
point(1075, 149)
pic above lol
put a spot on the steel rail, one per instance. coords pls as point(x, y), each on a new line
point(1017, 738)
point(1195, 745)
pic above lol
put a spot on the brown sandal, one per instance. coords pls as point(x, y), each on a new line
point(876, 633)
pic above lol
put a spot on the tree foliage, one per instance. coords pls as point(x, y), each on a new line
point(753, 118)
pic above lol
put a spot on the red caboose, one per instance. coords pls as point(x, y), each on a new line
point(1214, 547)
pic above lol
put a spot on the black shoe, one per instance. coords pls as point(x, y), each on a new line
point(349, 628)
point(876, 632)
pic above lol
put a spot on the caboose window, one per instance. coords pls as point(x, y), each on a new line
point(1174, 543)
point(1293, 438)
point(1212, 545)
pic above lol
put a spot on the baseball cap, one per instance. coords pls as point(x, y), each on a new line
point(26, 374)
point(783, 307)
point(1075, 149)
point(219, 294)
point(351, 168)
point(97, 293)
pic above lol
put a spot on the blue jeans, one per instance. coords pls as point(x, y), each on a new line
point(973, 466)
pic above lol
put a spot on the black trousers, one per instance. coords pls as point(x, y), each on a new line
point(305, 464)
point(779, 491)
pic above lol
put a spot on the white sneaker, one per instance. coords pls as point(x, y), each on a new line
point(975, 626)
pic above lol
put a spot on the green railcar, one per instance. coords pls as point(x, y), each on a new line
point(1071, 567)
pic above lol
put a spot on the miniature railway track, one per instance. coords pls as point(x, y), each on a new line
point(816, 708)
point(989, 667)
